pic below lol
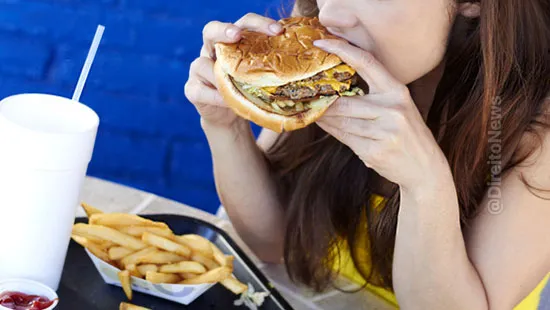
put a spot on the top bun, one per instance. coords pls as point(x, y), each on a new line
point(262, 60)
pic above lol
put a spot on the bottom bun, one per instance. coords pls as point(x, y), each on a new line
point(245, 107)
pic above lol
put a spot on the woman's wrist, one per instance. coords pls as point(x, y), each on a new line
point(433, 187)
point(236, 131)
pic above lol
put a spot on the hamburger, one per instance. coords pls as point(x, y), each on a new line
point(283, 82)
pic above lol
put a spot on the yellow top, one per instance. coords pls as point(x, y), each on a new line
point(347, 269)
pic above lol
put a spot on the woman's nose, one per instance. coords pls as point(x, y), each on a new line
point(336, 17)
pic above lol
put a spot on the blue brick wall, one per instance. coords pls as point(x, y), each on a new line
point(149, 136)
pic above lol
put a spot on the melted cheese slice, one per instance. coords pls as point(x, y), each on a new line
point(340, 69)
point(270, 89)
point(328, 80)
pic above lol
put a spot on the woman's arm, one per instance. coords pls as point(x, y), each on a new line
point(246, 188)
point(506, 253)
point(431, 269)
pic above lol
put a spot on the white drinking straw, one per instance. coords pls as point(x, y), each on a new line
point(88, 63)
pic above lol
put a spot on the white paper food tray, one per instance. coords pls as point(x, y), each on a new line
point(180, 293)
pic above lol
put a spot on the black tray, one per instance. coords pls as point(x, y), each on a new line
point(82, 288)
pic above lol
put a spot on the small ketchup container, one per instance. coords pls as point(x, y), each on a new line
point(14, 291)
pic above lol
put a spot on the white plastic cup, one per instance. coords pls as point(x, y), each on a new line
point(46, 144)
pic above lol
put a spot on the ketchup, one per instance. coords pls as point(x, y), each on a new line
point(22, 301)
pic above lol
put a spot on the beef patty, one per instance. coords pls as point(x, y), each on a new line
point(297, 90)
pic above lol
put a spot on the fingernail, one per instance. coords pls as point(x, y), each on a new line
point(231, 32)
point(275, 28)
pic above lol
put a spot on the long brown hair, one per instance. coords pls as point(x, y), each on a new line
point(500, 60)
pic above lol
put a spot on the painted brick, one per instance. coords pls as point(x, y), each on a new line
point(63, 23)
point(120, 152)
point(179, 8)
point(22, 57)
point(173, 8)
point(118, 30)
point(170, 37)
point(205, 199)
point(233, 12)
point(145, 116)
point(181, 34)
point(148, 76)
point(45, 19)
point(130, 30)
point(17, 85)
point(190, 163)
point(79, 2)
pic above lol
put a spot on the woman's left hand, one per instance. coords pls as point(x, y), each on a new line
point(384, 128)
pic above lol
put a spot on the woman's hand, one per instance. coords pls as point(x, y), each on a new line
point(201, 89)
point(384, 128)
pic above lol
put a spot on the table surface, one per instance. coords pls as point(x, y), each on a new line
point(112, 197)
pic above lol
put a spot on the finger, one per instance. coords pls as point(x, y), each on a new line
point(366, 65)
point(216, 31)
point(208, 52)
point(258, 23)
point(355, 126)
point(358, 107)
point(345, 137)
point(203, 69)
point(199, 94)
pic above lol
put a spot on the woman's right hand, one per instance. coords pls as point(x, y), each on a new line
point(200, 88)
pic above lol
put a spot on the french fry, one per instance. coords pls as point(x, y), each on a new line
point(118, 252)
point(185, 266)
point(94, 248)
point(133, 270)
point(188, 275)
point(105, 244)
point(136, 258)
point(129, 306)
point(89, 210)
point(124, 277)
point(161, 257)
point(147, 267)
point(137, 231)
point(212, 276)
point(207, 262)
point(196, 243)
point(109, 234)
point(157, 277)
point(123, 219)
point(165, 244)
point(220, 258)
point(234, 285)
point(229, 261)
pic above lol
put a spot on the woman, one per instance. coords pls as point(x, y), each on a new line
point(431, 189)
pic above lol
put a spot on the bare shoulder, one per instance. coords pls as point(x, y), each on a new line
point(535, 169)
point(508, 241)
